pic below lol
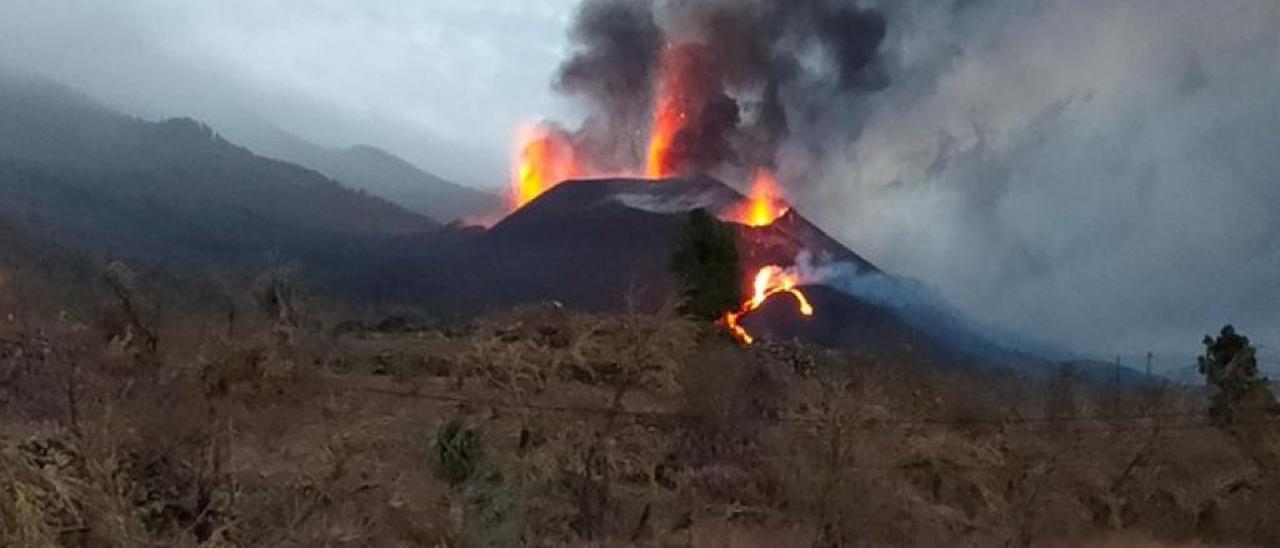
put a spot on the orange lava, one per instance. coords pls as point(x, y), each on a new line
point(544, 158)
point(764, 206)
point(671, 109)
point(769, 281)
point(666, 123)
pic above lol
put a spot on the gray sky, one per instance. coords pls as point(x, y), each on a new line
point(1101, 175)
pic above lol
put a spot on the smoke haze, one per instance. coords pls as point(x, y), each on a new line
point(1101, 175)
point(741, 77)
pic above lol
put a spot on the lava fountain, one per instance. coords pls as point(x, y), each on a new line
point(544, 158)
point(679, 108)
point(669, 117)
point(764, 206)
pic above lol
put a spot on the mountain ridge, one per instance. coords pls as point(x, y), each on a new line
point(371, 169)
point(79, 173)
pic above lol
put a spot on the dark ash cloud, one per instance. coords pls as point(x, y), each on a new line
point(749, 74)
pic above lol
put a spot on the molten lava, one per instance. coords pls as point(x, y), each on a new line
point(769, 281)
point(544, 158)
point(764, 206)
point(686, 104)
point(687, 107)
point(669, 117)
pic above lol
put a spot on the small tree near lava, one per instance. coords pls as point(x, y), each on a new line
point(706, 265)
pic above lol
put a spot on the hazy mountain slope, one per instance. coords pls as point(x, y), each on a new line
point(81, 174)
point(373, 170)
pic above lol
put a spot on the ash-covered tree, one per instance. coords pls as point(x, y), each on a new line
point(1230, 368)
point(706, 265)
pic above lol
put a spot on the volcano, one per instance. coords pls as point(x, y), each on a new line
point(606, 245)
point(596, 243)
point(642, 216)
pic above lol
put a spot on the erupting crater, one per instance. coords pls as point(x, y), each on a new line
point(686, 106)
point(768, 236)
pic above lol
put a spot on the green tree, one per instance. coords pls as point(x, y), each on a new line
point(1230, 368)
point(706, 265)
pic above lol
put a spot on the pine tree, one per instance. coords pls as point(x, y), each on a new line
point(706, 265)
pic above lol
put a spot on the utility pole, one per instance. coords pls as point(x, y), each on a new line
point(1115, 386)
point(1149, 357)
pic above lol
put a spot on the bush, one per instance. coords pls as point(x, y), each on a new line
point(1230, 367)
point(459, 452)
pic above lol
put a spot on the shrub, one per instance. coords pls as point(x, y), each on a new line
point(459, 452)
point(1230, 367)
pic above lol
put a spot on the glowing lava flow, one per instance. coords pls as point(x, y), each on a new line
point(544, 159)
point(769, 281)
point(764, 207)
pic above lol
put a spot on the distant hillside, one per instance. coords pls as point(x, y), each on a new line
point(373, 170)
point(85, 176)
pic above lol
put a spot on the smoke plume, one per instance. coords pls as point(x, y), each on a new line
point(615, 59)
point(743, 77)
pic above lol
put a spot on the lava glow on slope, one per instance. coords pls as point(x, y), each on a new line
point(769, 281)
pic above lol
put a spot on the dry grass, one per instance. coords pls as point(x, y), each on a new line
point(605, 430)
point(37, 504)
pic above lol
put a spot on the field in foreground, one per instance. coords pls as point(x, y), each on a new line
point(546, 427)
